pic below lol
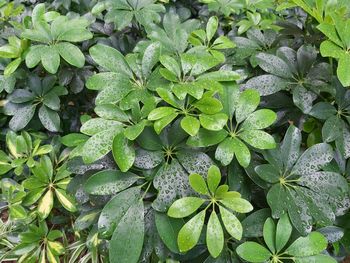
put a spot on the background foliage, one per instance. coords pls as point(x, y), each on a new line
point(174, 131)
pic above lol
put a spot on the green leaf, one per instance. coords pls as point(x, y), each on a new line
point(50, 59)
point(168, 229)
point(66, 200)
point(221, 75)
point(185, 207)
point(127, 240)
point(248, 101)
point(214, 122)
point(310, 245)
point(259, 119)
point(215, 235)
point(258, 139)
point(159, 125)
point(45, 204)
point(329, 49)
point(343, 70)
point(231, 223)
point(206, 138)
point(190, 232)
point(132, 132)
point(269, 232)
point(49, 119)
point(274, 65)
point(150, 58)
point(73, 139)
point(190, 125)
point(109, 182)
point(214, 178)
point(225, 151)
point(253, 252)
point(22, 117)
point(283, 232)
point(99, 145)
point(241, 151)
point(116, 208)
point(12, 66)
point(123, 152)
point(332, 129)
point(317, 258)
point(110, 59)
point(198, 184)
point(239, 205)
point(161, 112)
point(268, 173)
point(290, 148)
point(71, 54)
point(208, 105)
point(313, 159)
point(170, 64)
point(212, 26)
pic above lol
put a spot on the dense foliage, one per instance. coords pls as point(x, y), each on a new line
point(175, 131)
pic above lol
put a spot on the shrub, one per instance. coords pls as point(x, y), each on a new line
point(174, 131)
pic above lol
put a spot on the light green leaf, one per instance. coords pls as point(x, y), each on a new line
point(258, 139)
point(310, 245)
point(283, 232)
point(269, 232)
point(214, 122)
point(198, 184)
point(190, 125)
point(50, 58)
point(215, 235)
point(71, 54)
point(214, 178)
point(123, 152)
point(45, 204)
point(231, 222)
point(248, 101)
point(185, 206)
point(190, 232)
point(253, 252)
point(66, 200)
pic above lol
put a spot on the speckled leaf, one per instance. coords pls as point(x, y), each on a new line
point(332, 129)
point(290, 147)
point(195, 162)
point(49, 119)
point(185, 206)
point(127, 240)
point(215, 235)
point(313, 159)
point(171, 181)
point(214, 122)
point(190, 232)
point(231, 223)
point(109, 182)
point(123, 152)
point(115, 209)
point(99, 145)
point(225, 151)
point(22, 117)
point(273, 65)
point(110, 59)
point(97, 125)
point(266, 84)
point(310, 245)
point(258, 139)
point(248, 101)
point(147, 159)
point(259, 119)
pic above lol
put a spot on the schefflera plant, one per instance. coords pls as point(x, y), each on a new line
point(54, 39)
point(214, 197)
point(123, 103)
point(276, 237)
point(243, 127)
point(299, 186)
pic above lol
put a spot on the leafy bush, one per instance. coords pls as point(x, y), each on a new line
point(174, 131)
